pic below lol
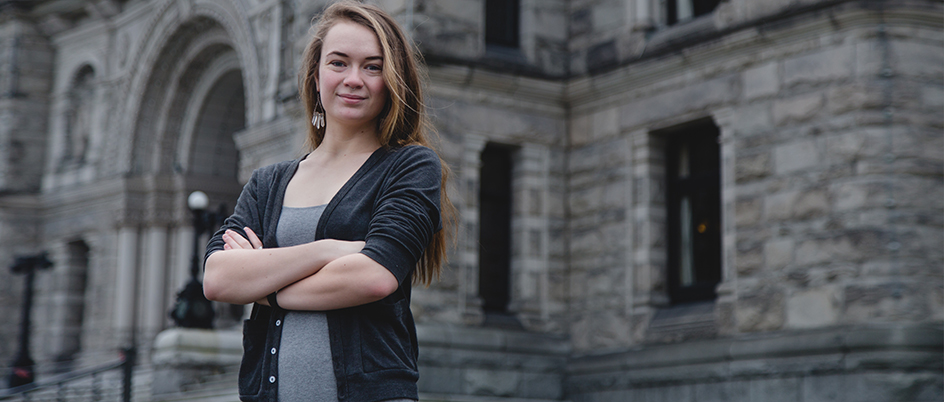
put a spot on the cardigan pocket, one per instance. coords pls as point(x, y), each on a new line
point(252, 366)
point(384, 339)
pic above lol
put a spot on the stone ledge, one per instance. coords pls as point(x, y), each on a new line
point(182, 346)
point(917, 344)
point(491, 339)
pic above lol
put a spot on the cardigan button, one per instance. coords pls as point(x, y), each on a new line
point(273, 351)
point(278, 323)
point(271, 379)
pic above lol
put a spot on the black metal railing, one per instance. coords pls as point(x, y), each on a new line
point(88, 384)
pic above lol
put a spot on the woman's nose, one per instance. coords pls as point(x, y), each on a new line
point(353, 78)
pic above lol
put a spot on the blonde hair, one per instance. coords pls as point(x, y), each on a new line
point(403, 120)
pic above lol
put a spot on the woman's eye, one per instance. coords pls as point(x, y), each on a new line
point(336, 63)
point(374, 68)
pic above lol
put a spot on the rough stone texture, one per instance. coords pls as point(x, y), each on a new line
point(812, 309)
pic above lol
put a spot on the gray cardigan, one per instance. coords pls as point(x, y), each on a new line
point(391, 203)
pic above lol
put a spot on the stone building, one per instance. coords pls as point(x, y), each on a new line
point(678, 200)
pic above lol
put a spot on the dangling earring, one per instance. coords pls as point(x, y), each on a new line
point(317, 118)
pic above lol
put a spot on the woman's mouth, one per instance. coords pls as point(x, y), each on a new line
point(351, 98)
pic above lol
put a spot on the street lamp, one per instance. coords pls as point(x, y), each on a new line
point(192, 309)
point(22, 373)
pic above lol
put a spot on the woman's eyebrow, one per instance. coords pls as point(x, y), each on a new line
point(342, 54)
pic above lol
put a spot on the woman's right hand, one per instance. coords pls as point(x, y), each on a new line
point(233, 241)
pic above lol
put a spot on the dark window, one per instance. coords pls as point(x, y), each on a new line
point(694, 213)
point(682, 10)
point(501, 22)
point(495, 228)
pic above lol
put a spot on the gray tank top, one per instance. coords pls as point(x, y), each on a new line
point(305, 365)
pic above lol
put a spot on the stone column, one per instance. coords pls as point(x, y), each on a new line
point(469, 218)
point(727, 289)
point(154, 306)
point(125, 282)
point(530, 299)
point(646, 261)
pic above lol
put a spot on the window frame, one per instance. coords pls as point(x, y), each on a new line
point(490, 294)
point(503, 24)
point(706, 253)
point(699, 8)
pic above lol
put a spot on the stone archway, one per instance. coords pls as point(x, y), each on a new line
point(193, 103)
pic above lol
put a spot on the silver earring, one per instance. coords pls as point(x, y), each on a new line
point(318, 119)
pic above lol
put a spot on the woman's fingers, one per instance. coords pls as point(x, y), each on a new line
point(253, 239)
point(235, 240)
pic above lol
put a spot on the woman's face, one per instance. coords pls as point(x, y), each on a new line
point(350, 75)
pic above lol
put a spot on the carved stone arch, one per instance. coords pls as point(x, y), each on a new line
point(181, 68)
point(220, 90)
point(234, 17)
point(172, 23)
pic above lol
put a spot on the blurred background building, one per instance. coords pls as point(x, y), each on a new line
point(667, 200)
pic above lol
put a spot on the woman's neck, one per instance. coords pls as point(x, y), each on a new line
point(339, 142)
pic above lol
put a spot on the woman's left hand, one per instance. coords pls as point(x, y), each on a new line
point(233, 241)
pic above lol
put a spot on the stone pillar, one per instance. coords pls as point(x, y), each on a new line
point(469, 218)
point(154, 307)
point(125, 281)
point(646, 214)
point(530, 298)
point(727, 289)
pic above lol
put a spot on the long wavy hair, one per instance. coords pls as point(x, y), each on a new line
point(403, 120)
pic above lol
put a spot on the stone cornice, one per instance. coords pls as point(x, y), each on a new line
point(474, 84)
point(659, 66)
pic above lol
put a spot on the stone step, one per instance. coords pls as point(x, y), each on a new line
point(424, 397)
point(228, 394)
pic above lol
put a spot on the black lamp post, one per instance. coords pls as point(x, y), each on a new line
point(22, 373)
point(192, 309)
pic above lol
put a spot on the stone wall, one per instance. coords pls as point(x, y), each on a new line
point(25, 79)
point(819, 180)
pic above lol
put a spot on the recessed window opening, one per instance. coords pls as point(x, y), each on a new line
point(684, 10)
point(495, 228)
point(694, 213)
point(502, 23)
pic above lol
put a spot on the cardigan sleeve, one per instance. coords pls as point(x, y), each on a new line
point(248, 212)
point(407, 212)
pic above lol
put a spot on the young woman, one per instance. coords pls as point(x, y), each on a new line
point(327, 246)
